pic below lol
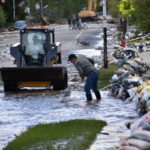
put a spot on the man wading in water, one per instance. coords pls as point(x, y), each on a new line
point(86, 69)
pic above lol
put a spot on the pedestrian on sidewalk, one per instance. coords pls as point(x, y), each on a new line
point(86, 69)
point(69, 22)
point(74, 23)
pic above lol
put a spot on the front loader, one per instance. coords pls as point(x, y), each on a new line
point(38, 62)
point(90, 13)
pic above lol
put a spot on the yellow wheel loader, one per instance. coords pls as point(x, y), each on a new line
point(38, 62)
point(89, 14)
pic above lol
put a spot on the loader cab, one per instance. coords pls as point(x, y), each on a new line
point(34, 45)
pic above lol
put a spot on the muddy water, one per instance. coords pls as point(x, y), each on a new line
point(22, 110)
point(27, 108)
point(30, 107)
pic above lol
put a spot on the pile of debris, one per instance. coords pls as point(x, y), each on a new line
point(127, 80)
point(140, 135)
point(139, 42)
point(132, 83)
point(124, 54)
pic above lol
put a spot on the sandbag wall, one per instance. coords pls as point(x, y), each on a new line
point(132, 83)
point(129, 82)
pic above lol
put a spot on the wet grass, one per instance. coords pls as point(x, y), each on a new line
point(69, 135)
point(135, 40)
point(106, 74)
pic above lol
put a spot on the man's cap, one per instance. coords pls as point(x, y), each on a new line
point(71, 56)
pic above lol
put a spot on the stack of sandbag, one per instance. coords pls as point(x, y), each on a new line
point(124, 54)
point(142, 43)
point(127, 85)
point(142, 47)
point(140, 135)
point(122, 81)
point(138, 66)
point(127, 79)
point(147, 36)
point(117, 52)
point(142, 98)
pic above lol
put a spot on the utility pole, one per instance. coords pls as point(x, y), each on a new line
point(14, 9)
point(41, 8)
point(29, 9)
point(105, 34)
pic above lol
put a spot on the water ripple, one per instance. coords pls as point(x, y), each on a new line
point(19, 111)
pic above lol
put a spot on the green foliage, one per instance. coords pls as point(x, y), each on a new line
point(2, 16)
point(73, 134)
point(139, 10)
point(113, 8)
point(56, 9)
point(8, 9)
point(141, 15)
point(106, 74)
point(126, 8)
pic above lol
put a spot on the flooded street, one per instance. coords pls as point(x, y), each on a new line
point(22, 110)
point(31, 107)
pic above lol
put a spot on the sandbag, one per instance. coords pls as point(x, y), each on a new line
point(141, 135)
point(142, 145)
point(142, 122)
point(126, 148)
point(91, 60)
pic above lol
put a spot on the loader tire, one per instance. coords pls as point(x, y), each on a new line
point(59, 58)
point(10, 86)
point(61, 84)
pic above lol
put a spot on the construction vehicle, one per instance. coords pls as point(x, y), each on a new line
point(39, 66)
point(89, 14)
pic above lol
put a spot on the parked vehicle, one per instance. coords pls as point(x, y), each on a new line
point(21, 24)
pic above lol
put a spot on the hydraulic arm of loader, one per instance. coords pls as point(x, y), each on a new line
point(92, 5)
point(90, 13)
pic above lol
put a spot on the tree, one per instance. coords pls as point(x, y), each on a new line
point(2, 16)
point(139, 10)
point(8, 9)
point(126, 8)
point(113, 8)
point(56, 9)
point(141, 15)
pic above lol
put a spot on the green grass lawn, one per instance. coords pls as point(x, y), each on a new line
point(106, 74)
point(69, 135)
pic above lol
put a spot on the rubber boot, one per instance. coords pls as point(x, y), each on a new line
point(88, 97)
point(98, 95)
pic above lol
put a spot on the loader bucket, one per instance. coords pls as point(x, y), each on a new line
point(16, 78)
point(32, 73)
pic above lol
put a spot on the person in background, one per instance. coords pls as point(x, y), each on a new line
point(74, 23)
point(80, 24)
point(86, 69)
point(69, 22)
